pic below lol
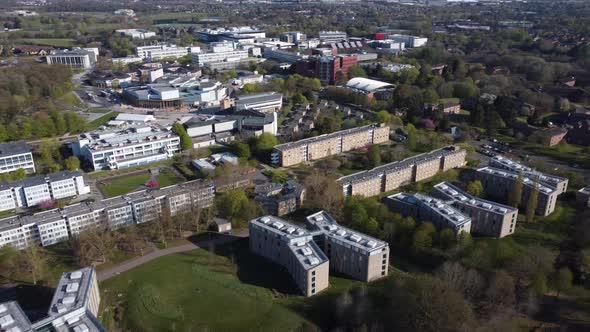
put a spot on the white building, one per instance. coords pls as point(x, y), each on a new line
point(136, 33)
point(16, 155)
point(327, 37)
point(127, 60)
point(264, 102)
point(76, 58)
point(248, 123)
point(283, 56)
point(206, 93)
point(295, 37)
point(409, 41)
point(161, 51)
point(32, 191)
point(135, 118)
point(123, 148)
point(203, 59)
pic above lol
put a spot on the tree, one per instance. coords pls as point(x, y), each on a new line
point(501, 292)
point(263, 144)
point(412, 139)
point(515, 194)
point(447, 238)
point(241, 150)
point(236, 206)
point(374, 156)
point(356, 71)
point(563, 280)
point(323, 193)
point(383, 116)
point(186, 142)
point(531, 204)
point(475, 188)
point(8, 260)
point(34, 262)
point(92, 244)
point(463, 280)
point(72, 163)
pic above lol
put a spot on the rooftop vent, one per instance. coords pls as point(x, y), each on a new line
point(340, 232)
point(72, 288)
point(265, 220)
point(371, 244)
point(76, 275)
point(355, 238)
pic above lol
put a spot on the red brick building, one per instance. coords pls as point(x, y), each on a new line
point(329, 69)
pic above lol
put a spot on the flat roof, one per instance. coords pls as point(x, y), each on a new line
point(14, 148)
point(456, 194)
point(438, 206)
point(13, 319)
point(71, 292)
point(109, 139)
point(257, 98)
point(513, 175)
point(507, 163)
point(305, 141)
point(400, 164)
point(325, 223)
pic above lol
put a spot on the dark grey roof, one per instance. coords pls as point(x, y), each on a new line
point(12, 148)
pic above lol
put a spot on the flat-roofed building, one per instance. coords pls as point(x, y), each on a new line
point(16, 155)
point(553, 181)
point(82, 216)
point(266, 102)
point(162, 96)
point(498, 184)
point(352, 253)
point(13, 319)
point(332, 36)
point(293, 248)
point(75, 58)
point(279, 199)
point(136, 33)
point(487, 218)
point(204, 59)
point(322, 146)
point(583, 197)
point(391, 176)
point(161, 51)
point(35, 190)
point(424, 208)
point(123, 148)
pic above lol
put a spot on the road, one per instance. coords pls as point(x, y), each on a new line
point(137, 261)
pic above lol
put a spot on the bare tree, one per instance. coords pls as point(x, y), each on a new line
point(467, 281)
point(94, 243)
point(324, 193)
point(34, 261)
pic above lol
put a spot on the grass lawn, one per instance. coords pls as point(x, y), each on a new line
point(549, 231)
point(565, 152)
point(127, 184)
point(55, 42)
point(221, 290)
point(448, 100)
point(70, 99)
point(102, 120)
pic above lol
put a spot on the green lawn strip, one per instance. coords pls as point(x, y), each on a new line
point(93, 125)
point(196, 290)
point(100, 175)
point(124, 185)
point(70, 99)
point(565, 152)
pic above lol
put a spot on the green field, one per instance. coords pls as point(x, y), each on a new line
point(93, 125)
point(127, 184)
point(199, 291)
point(55, 42)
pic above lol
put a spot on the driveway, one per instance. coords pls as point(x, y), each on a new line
point(137, 261)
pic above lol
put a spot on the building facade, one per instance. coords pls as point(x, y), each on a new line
point(487, 218)
point(76, 58)
point(498, 184)
point(553, 181)
point(203, 59)
point(161, 51)
point(125, 148)
point(280, 199)
point(391, 176)
point(16, 155)
point(58, 225)
point(322, 146)
point(424, 208)
point(266, 102)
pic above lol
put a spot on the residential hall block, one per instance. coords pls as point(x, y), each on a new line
point(424, 208)
point(487, 218)
point(58, 225)
point(553, 181)
point(74, 307)
point(310, 252)
point(322, 146)
point(400, 173)
point(498, 184)
point(16, 155)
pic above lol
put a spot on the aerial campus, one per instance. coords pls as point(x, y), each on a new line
point(418, 165)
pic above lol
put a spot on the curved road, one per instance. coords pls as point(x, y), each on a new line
point(137, 261)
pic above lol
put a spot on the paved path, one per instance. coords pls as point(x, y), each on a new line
point(137, 261)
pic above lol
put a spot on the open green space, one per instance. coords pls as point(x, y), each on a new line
point(127, 184)
point(93, 125)
point(568, 153)
point(54, 42)
point(218, 290)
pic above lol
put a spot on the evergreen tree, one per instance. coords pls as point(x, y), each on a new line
point(531, 204)
point(516, 192)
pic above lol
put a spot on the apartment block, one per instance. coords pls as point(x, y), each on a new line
point(75, 304)
point(293, 248)
point(391, 176)
point(13, 319)
point(553, 181)
point(487, 218)
point(309, 253)
point(58, 225)
point(425, 208)
point(280, 199)
point(16, 155)
point(318, 147)
point(123, 148)
point(354, 254)
point(498, 184)
point(32, 191)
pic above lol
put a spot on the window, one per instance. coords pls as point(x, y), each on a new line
point(313, 273)
point(313, 279)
